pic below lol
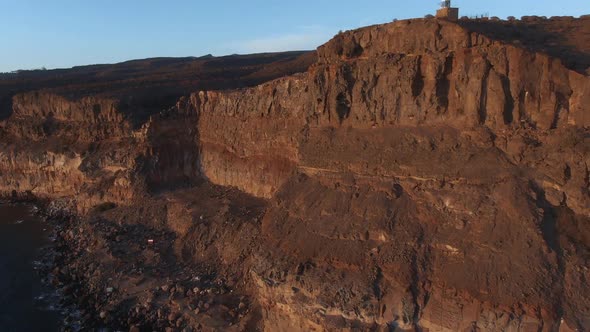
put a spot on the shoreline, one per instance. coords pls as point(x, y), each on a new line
point(45, 265)
point(29, 242)
point(101, 289)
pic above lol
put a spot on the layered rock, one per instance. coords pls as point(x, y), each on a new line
point(56, 148)
point(422, 175)
point(110, 139)
point(249, 139)
point(438, 75)
point(442, 179)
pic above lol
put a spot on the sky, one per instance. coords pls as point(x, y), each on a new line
point(66, 33)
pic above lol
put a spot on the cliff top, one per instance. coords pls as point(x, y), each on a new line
point(155, 82)
point(565, 38)
point(151, 85)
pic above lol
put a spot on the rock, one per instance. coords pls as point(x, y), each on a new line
point(411, 159)
point(173, 316)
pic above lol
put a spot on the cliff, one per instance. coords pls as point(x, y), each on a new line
point(437, 170)
point(421, 174)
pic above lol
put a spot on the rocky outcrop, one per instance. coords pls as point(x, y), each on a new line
point(421, 174)
point(249, 139)
point(38, 116)
point(440, 176)
point(87, 139)
point(438, 75)
point(449, 74)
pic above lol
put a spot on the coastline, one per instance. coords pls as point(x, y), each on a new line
point(26, 260)
point(102, 286)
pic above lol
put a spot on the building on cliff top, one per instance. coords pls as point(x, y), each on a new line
point(447, 12)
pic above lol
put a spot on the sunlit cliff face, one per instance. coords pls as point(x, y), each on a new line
point(419, 174)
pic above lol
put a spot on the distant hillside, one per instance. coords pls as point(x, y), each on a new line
point(157, 82)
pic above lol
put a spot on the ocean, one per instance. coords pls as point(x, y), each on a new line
point(24, 299)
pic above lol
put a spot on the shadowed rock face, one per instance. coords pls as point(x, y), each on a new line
point(421, 174)
point(565, 38)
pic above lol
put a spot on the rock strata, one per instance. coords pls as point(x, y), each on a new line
point(420, 175)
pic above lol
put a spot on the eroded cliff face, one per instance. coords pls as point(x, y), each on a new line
point(54, 147)
point(420, 175)
point(438, 76)
point(436, 178)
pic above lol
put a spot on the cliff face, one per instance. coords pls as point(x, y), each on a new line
point(451, 75)
point(439, 172)
point(438, 76)
point(85, 135)
point(421, 174)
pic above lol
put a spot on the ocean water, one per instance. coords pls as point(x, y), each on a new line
point(24, 304)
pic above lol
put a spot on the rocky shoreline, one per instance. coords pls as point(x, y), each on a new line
point(97, 294)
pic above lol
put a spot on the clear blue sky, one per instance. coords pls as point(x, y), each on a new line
point(65, 33)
